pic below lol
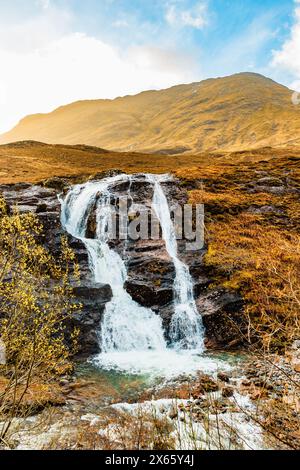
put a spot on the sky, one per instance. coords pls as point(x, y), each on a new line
point(53, 52)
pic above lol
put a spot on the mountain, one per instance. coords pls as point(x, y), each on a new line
point(242, 111)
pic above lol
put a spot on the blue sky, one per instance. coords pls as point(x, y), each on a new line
point(56, 51)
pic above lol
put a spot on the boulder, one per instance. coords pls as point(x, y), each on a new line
point(93, 300)
point(224, 377)
point(227, 392)
point(222, 318)
point(147, 294)
point(150, 279)
point(56, 183)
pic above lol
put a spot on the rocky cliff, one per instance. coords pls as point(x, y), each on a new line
point(150, 269)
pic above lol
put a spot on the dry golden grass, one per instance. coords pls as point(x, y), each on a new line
point(33, 162)
point(253, 225)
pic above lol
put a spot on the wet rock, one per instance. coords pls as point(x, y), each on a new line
point(222, 317)
point(150, 279)
point(148, 294)
point(227, 392)
point(224, 377)
point(88, 319)
point(41, 208)
point(206, 384)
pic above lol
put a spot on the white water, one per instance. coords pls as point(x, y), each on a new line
point(126, 325)
point(132, 337)
point(186, 330)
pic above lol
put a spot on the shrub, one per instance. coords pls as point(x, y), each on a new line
point(35, 302)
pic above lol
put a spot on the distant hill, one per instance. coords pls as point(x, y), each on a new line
point(243, 111)
point(33, 162)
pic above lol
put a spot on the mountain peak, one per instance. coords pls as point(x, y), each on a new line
point(242, 111)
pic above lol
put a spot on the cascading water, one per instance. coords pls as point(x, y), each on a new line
point(131, 336)
point(126, 325)
point(186, 330)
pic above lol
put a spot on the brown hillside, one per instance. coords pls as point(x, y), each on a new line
point(34, 161)
point(243, 111)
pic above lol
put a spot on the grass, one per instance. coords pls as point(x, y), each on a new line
point(33, 162)
point(253, 224)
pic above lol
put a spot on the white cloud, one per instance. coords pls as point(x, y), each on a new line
point(58, 66)
point(197, 17)
point(37, 32)
point(45, 4)
point(120, 24)
point(288, 57)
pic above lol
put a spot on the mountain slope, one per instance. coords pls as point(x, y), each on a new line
point(242, 111)
point(31, 162)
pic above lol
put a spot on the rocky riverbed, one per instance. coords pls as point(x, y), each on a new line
point(226, 407)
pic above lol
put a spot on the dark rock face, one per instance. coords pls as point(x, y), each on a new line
point(222, 318)
point(88, 319)
point(150, 279)
point(151, 271)
point(93, 297)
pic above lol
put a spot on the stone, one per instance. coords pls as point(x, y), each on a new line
point(206, 384)
point(56, 183)
point(41, 208)
point(269, 180)
point(93, 300)
point(227, 392)
point(296, 364)
point(246, 383)
point(224, 376)
point(173, 414)
point(296, 345)
point(222, 318)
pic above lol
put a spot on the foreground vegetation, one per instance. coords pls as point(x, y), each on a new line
point(35, 304)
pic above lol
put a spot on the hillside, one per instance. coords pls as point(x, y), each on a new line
point(243, 111)
point(33, 162)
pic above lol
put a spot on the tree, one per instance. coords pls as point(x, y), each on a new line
point(36, 301)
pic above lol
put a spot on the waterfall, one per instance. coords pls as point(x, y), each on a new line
point(186, 330)
point(128, 327)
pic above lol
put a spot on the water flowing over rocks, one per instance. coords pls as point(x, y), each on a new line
point(150, 269)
